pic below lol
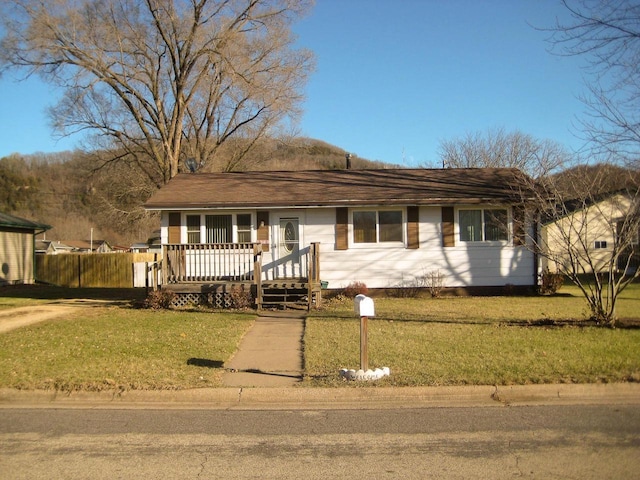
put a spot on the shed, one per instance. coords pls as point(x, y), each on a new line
point(17, 248)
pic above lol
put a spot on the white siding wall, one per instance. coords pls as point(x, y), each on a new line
point(16, 257)
point(381, 267)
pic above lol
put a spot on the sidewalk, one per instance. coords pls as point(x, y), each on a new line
point(270, 354)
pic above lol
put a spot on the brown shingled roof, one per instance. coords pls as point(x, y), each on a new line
point(339, 188)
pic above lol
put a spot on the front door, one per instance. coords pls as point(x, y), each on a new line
point(288, 263)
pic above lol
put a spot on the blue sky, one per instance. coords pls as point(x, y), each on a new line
point(396, 77)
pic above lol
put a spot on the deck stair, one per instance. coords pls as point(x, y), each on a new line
point(288, 294)
point(285, 294)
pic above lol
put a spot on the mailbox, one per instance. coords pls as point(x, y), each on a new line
point(363, 306)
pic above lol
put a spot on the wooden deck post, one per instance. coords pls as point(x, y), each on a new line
point(313, 275)
point(165, 265)
point(257, 273)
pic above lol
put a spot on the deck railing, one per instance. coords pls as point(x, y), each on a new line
point(212, 262)
point(230, 262)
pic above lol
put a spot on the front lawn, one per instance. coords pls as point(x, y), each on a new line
point(477, 340)
point(444, 341)
point(122, 348)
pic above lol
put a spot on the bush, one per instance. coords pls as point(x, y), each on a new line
point(240, 298)
point(550, 283)
point(159, 300)
point(406, 288)
point(355, 288)
point(435, 282)
point(432, 280)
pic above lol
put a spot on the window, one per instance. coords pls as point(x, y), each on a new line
point(600, 244)
point(219, 228)
point(364, 227)
point(193, 228)
point(483, 225)
point(495, 225)
point(377, 226)
point(244, 228)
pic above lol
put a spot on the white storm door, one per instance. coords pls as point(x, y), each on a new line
point(288, 262)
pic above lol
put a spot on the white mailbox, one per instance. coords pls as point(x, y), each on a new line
point(363, 306)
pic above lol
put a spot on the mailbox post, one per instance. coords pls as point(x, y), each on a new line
point(363, 306)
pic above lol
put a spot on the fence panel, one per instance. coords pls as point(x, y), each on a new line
point(100, 270)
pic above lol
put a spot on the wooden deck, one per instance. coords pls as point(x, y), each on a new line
point(225, 275)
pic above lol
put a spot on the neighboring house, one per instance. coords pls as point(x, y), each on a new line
point(586, 236)
point(141, 247)
point(89, 246)
point(17, 248)
point(380, 227)
point(52, 247)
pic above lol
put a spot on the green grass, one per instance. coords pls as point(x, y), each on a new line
point(433, 353)
point(111, 348)
point(476, 340)
point(444, 341)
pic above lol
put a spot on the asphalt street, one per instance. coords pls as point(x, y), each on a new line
point(547, 442)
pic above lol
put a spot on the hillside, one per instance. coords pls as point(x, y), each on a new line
point(75, 193)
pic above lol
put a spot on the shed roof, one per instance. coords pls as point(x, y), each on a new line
point(257, 189)
point(13, 222)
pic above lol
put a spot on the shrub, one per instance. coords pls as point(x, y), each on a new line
point(550, 283)
point(434, 281)
point(159, 300)
point(240, 298)
point(406, 288)
point(355, 288)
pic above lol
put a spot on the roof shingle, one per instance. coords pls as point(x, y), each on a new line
point(258, 189)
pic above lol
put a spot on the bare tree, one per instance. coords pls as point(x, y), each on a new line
point(606, 33)
point(161, 82)
point(497, 148)
point(589, 233)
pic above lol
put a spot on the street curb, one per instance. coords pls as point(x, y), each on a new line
point(298, 398)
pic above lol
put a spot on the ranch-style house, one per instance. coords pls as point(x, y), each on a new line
point(285, 234)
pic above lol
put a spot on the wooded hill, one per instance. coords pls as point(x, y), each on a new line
point(77, 191)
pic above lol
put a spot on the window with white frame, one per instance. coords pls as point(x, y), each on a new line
point(377, 226)
point(228, 228)
point(600, 244)
point(193, 228)
point(483, 225)
point(219, 228)
point(243, 227)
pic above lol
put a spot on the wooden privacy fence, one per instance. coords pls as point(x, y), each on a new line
point(100, 270)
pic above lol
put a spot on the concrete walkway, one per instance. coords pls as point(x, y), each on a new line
point(269, 355)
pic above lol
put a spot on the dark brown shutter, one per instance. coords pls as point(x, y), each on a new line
point(518, 225)
point(174, 227)
point(262, 217)
point(413, 227)
point(448, 239)
point(342, 228)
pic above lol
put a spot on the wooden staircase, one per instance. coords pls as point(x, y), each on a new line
point(288, 294)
